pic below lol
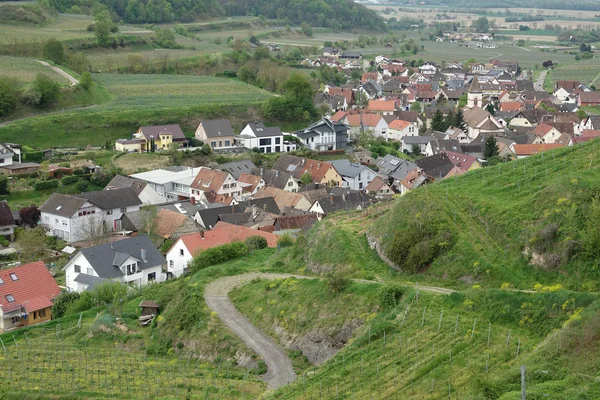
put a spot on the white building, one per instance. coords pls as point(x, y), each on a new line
point(172, 183)
point(134, 261)
point(79, 217)
point(266, 139)
point(355, 176)
point(398, 129)
point(142, 189)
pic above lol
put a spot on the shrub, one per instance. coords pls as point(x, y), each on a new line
point(390, 296)
point(82, 185)
point(63, 302)
point(337, 281)
point(256, 242)
point(40, 185)
point(4, 185)
point(285, 241)
point(68, 180)
point(218, 254)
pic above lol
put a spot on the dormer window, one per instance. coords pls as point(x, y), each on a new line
point(10, 298)
point(13, 277)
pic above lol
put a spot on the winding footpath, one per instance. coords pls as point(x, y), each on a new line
point(279, 366)
point(72, 80)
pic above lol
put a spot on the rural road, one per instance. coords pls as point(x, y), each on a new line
point(539, 84)
point(279, 367)
point(59, 71)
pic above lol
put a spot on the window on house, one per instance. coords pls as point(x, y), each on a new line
point(278, 140)
point(220, 143)
point(13, 276)
point(15, 320)
point(181, 252)
point(109, 212)
point(213, 144)
point(90, 271)
point(277, 149)
point(65, 223)
point(265, 142)
point(290, 183)
point(171, 263)
point(10, 298)
point(152, 277)
point(78, 268)
point(35, 315)
point(227, 143)
point(47, 218)
point(123, 209)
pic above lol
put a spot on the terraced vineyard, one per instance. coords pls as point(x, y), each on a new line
point(65, 27)
point(25, 69)
point(587, 72)
point(171, 91)
point(68, 361)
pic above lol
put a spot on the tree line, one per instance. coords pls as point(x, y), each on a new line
point(335, 14)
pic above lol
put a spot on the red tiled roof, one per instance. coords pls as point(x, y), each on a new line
point(589, 97)
point(252, 180)
point(461, 161)
point(367, 119)
point(542, 129)
point(511, 106)
point(223, 233)
point(376, 184)
point(529, 149)
point(338, 116)
point(382, 105)
point(590, 133)
point(34, 288)
point(209, 180)
point(398, 124)
point(369, 76)
point(316, 169)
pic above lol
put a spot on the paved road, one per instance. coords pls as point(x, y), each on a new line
point(539, 84)
point(71, 79)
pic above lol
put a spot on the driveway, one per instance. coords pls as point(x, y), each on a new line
point(539, 84)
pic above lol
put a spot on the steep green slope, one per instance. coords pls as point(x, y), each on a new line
point(533, 220)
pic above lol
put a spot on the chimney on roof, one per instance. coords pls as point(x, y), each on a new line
point(202, 234)
point(277, 173)
point(262, 171)
point(331, 197)
point(318, 165)
point(143, 254)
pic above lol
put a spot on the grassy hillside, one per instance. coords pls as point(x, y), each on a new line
point(524, 222)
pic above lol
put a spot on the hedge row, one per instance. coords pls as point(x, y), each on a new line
point(39, 185)
point(219, 254)
point(67, 180)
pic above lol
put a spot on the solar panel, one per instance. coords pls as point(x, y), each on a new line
point(395, 162)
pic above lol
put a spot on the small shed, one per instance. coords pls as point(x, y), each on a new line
point(149, 307)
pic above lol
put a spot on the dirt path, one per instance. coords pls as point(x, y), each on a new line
point(62, 73)
point(279, 367)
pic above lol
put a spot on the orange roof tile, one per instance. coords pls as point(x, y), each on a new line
point(511, 106)
point(209, 180)
point(376, 184)
point(367, 119)
point(590, 133)
point(382, 105)
point(282, 197)
point(167, 222)
point(542, 129)
point(338, 116)
point(316, 169)
point(250, 179)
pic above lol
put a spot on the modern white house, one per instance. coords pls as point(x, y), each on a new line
point(397, 129)
point(172, 183)
point(355, 176)
point(324, 135)
point(134, 261)
point(79, 217)
point(265, 139)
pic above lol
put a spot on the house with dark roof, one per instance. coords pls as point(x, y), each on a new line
point(26, 295)
point(165, 223)
point(265, 139)
point(79, 217)
point(355, 176)
point(218, 133)
point(438, 166)
point(393, 169)
point(293, 223)
point(151, 138)
point(134, 261)
point(144, 192)
point(426, 145)
point(277, 179)
point(324, 135)
point(588, 99)
point(236, 168)
point(379, 188)
point(344, 202)
point(7, 221)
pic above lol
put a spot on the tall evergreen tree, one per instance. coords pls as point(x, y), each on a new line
point(459, 121)
point(491, 147)
point(437, 122)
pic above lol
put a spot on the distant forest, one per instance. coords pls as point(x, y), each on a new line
point(336, 14)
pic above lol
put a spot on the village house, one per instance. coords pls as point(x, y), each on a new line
point(382, 107)
point(463, 161)
point(284, 199)
point(152, 138)
point(142, 189)
point(344, 202)
point(379, 188)
point(250, 184)
point(211, 185)
point(355, 176)
point(26, 295)
point(163, 223)
point(134, 261)
point(7, 221)
point(217, 133)
point(265, 139)
point(79, 217)
point(278, 179)
point(397, 129)
point(526, 150)
point(547, 133)
point(373, 123)
point(171, 183)
point(588, 99)
point(480, 121)
point(426, 145)
point(180, 255)
point(439, 166)
point(319, 171)
point(393, 169)
point(324, 135)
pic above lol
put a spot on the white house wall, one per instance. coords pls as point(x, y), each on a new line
point(178, 258)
